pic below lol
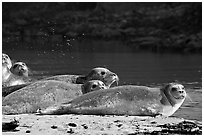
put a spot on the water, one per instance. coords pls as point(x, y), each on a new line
point(132, 67)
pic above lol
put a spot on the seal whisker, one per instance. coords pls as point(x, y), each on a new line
point(189, 98)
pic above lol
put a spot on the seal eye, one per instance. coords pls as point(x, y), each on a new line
point(174, 89)
point(183, 88)
point(94, 86)
point(102, 73)
point(15, 66)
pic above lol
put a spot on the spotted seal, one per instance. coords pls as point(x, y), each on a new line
point(6, 65)
point(20, 69)
point(125, 100)
point(98, 73)
point(10, 79)
point(6, 60)
point(42, 94)
point(93, 85)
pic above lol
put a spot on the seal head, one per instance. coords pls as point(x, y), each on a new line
point(20, 69)
point(173, 95)
point(104, 75)
point(10, 79)
point(93, 85)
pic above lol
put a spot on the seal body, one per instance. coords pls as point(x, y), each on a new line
point(6, 60)
point(6, 65)
point(39, 95)
point(124, 100)
point(66, 78)
point(102, 74)
point(42, 94)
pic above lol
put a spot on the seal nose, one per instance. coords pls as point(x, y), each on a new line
point(181, 91)
point(21, 68)
point(102, 87)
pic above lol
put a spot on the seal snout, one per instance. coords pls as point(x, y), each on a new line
point(181, 91)
point(23, 68)
point(113, 78)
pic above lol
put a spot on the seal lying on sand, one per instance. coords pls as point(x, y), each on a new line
point(102, 74)
point(43, 94)
point(6, 60)
point(20, 69)
point(125, 100)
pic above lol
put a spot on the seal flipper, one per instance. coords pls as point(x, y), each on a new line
point(55, 110)
point(9, 90)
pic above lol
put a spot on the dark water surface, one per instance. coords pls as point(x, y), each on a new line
point(132, 67)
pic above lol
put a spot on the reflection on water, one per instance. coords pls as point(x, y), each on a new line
point(132, 67)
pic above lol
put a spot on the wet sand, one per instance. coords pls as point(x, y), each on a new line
point(30, 124)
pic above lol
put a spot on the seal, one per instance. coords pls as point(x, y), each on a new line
point(98, 73)
point(6, 60)
point(9, 79)
point(43, 94)
point(102, 74)
point(20, 69)
point(6, 63)
point(125, 100)
point(93, 85)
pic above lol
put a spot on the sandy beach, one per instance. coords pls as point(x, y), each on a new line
point(100, 125)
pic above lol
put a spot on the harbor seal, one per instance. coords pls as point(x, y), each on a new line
point(98, 73)
point(20, 69)
point(102, 74)
point(6, 60)
point(42, 94)
point(125, 100)
point(9, 79)
point(93, 85)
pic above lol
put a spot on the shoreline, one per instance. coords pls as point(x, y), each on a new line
point(101, 125)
